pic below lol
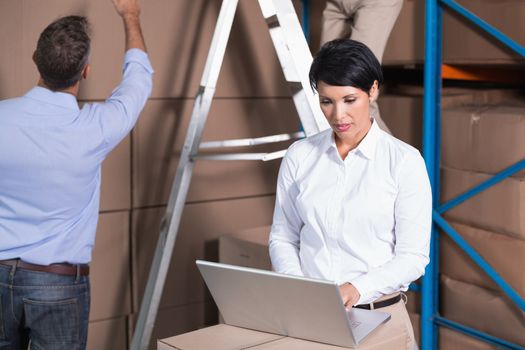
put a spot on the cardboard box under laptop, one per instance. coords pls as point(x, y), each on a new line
point(225, 337)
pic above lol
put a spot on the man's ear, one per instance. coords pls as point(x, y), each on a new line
point(34, 56)
point(86, 71)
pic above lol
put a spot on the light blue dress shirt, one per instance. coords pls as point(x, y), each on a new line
point(50, 158)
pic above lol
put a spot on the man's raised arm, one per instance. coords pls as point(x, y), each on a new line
point(129, 10)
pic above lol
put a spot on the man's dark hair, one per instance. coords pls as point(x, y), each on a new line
point(345, 62)
point(62, 51)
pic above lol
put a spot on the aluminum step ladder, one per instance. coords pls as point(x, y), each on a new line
point(295, 59)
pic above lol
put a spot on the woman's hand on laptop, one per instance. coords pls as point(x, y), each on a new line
point(349, 294)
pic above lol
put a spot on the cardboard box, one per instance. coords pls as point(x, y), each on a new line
point(402, 110)
point(108, 335)
point(479, 308)
point(406, 44)
point(248, 248)
point(201, 226)
point(451, 340)
point(459, 97)
point(179, 320)
point(375, 342)
point(404, 116)
point(110, 268)
point(483, 138)
point(498, 209)
point(463, 42)
point(505, 254)
point(11, 39)
point(219, 337)
point(160, 134)
point(115, 187)
point(225, 337)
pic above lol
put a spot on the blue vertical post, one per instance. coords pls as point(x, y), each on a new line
point(436, 184)
point(306, 19)
point(431, 140)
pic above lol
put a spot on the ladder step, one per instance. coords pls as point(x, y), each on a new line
point(241, 156)
point(251, 141)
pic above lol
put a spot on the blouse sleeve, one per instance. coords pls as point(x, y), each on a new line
point(413, 219)
point(286, 227)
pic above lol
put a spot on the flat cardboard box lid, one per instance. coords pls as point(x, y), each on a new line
point(225, 337)
point(219, 337)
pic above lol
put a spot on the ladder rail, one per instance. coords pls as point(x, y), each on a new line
point(179, 190)
point(295, 58)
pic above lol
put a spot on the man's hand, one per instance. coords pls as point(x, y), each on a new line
point(129, 10)
point(127, 7)
point(349, 294)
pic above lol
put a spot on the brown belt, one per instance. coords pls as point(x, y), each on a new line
point(59, 269)
point(380, 304)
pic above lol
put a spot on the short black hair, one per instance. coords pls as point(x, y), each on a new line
point(346, 62)
point(62, 51)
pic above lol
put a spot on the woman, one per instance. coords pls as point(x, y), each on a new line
point(353, 203)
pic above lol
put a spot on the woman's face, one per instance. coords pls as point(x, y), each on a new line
point(347, 110)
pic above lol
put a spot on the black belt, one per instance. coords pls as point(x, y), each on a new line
point(59, 269)
point(380, 304)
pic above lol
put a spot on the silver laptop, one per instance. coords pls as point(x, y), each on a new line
point(294, 306)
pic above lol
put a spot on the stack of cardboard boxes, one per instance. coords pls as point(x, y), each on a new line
point(482, 133)
point(478, 142)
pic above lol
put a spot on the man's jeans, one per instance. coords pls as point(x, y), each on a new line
point(48, 310)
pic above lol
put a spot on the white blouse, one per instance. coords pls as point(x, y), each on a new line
point(365, 220)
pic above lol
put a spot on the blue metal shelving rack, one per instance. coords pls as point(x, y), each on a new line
point(430, 318)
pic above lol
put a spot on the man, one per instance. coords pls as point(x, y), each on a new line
point(50, 157)
point(367, 21)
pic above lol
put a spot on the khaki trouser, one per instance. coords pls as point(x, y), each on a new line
point(367, 21)
point(399, 323)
